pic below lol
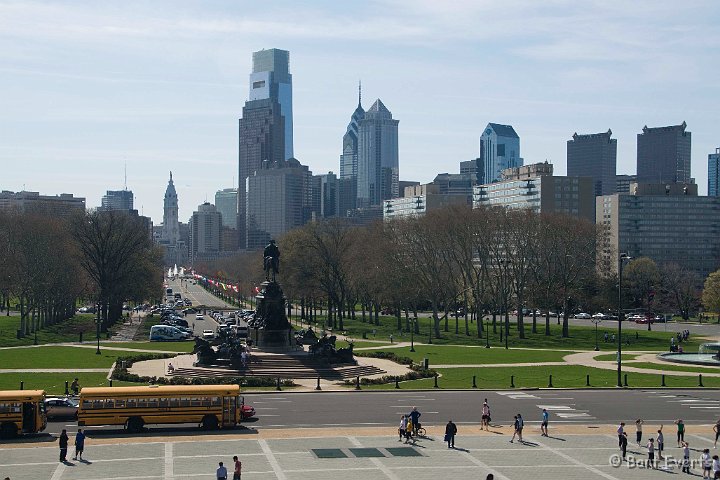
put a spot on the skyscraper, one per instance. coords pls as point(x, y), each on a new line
point(378, 166)
point(663, 155)
point(117, 200)
point(325, 197)
point(349, 157)
point(594, 155)
point(475, 168)
point(499, 149)
point(226, 202)
point(171, 228)
point(714, 173)
point(205, 228)
point(271, 79)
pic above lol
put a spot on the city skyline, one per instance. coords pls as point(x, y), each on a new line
point(89, 87)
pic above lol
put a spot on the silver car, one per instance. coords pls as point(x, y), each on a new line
point(61, 407)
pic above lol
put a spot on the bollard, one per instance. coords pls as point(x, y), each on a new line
point(397, 383)
point(278, 384)
point(67, 391)
point(111, 382)
point(663, 380)
point(700, 380)
point(587, 380)
point(512, 381)
point(625, 382)
point(357, 382)
point(550, 385)
point(22, 385)
point(81, 337)
point(318, 384)
point(474, 384)
point(436, 385)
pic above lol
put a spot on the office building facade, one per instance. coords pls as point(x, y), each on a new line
point(117, 200)
point(623, 182)
point(205, 230)
point(63, 206)
point(668, 223)
point(325, 195)
point(417, 200)
point(349, 157)
point(475, 168)
point(714, 173)
point(663, 155)
point(499, 149)
point(595, 156)
point(378, 166)
point(226, 202)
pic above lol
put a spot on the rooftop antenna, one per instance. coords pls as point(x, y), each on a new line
point(359, 93)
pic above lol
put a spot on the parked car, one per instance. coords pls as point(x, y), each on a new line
point(188, 311)
point(61, 407)
point(199, 316)
point(583, 315)
point(167, 333)
point(208, 334)
point(246, 412)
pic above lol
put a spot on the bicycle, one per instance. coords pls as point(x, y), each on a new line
point(419, 431)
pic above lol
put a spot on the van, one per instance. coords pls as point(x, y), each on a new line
point(240, 331)
point(160, 333)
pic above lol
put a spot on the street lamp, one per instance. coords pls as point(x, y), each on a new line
point(97, 329)
point(596, 321)
point(487, 334)
point(412, 335)
point(621, 261)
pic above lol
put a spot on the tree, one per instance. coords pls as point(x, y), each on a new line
point(681, 290)
point(711, 292)
point(642, 278)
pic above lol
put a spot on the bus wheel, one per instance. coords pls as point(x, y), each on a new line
point(8, 430)
point(210, 422)
point(135, 424)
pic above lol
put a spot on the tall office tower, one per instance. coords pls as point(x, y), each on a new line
point(349, 157)
point(475, 168)
point(714, 173)
point(594, 155)
point(663, 155)
point(279, 199)
point(378, 165)
point(271, 79)
point(226, 202)
point(117, 200)
point(347, 196)
point(499, 149)
point(325, 198)
point(205, 228)
point(171, 228)
point(261, 140)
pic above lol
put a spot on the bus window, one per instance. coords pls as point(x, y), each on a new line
point(119, 403)
point(184, 402)
point(215, 401)
point(196, 402)
point(86, 404)
point(163, 403)
point(152, 402)
point(131, 403)
point(142, 403)
point(98, 403)
point(109, 403)
point(174, 402)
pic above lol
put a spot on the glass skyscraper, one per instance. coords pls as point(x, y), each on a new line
point(378, 164)
point(663, 154)
point(594, 155)
point(499, 149)
point(714, 173)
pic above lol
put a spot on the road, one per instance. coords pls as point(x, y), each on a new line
point(364, 408)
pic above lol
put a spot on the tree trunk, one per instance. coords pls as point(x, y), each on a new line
point(566, 323)
point(547, 322)
point(494, 322)
point(520, 322)
point(534, 325)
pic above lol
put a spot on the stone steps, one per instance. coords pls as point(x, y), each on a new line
point(284, 373)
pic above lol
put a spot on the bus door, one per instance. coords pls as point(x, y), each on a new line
point(29, 417)
point(229, 410)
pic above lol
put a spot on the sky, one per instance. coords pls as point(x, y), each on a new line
point(91, 88)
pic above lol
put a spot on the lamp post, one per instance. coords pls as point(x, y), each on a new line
point(487, 334)
point(596, 321)
point(97, 329)
point(621, 261)
point(412, 335)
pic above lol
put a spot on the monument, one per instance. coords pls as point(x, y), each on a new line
point(269, 328)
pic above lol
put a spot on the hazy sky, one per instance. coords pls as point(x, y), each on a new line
point(89, 86)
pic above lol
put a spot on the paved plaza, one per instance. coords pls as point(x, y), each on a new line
point(328, 454)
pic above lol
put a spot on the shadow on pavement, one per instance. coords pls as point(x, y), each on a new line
point(30, 438)
point(167, 431)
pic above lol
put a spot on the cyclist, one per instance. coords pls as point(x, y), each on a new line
point(415, 420)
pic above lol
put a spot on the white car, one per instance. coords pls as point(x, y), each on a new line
point(584, 316)
point(208, 334)
point(199, 316)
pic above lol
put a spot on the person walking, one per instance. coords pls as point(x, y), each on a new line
point(660, 443)
point(221, 472)
point(544, 423)
point(450, 431)
point(63, 443)
point(716, 466)
point(620, 431)
point(402, 429)
point(75, 387)
point(79, 444)
point(716, 429)
point(485, 416)
point(238, 468)
point(515, 428)
point(521, 424)
point(638, 431)
point(623, 445)
point(686, 457)
point(706, 461)
point(680, 432)
point(651, 452)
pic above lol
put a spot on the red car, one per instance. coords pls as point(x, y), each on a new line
point(246, 412)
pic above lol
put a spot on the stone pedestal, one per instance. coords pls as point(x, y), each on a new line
point(269, 329)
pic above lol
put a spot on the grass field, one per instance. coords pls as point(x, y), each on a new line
point(458, 355)
point(180, 347)
point(53, 383)
point(675, 367)
point(67, 331)
point(612, 357)
point(48, 356)
point(568, 376)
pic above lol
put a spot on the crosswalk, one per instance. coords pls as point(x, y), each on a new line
point(554, 406)
point(697, 402)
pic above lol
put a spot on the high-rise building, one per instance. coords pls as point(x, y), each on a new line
point(499, 149)
point(226, 202)
point(475, 168)
point(663, 155)
point(63, 205)
point(271, 79)
point(714, 173)
point(347, 195)
point(622, 183)
point(349, 156)
point(279, 198)
point(325, 195)
point(117, 200)
point(205, 230)
point(171, 228)
point(595, 156)
point(417, 200)
point(378, 164)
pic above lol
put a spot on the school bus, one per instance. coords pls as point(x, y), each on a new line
point(210, 406)
point(22, 411)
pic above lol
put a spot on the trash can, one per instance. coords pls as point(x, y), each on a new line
point(426, 363)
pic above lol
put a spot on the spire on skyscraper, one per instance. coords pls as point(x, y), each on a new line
point(360, 93)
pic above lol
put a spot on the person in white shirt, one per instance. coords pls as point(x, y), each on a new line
point(403, 427)
point(716, 466)
point(485, 416)
point(686, 457)
point(651, 452)
point(706, 461)
point(660, 443)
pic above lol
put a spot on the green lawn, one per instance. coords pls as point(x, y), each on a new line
point(53, 383)
point(361, 344)
point(464, 355)
point(57, 357)
point(568, 376)
point(675, 367)
point(180, 347)
point(612, 357)
point(67, 331)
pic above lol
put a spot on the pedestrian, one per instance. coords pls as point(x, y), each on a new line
point(521, 424)
point(415, 419)
point(638, 431)
point(402, 429)
point(221, 472)
point(607, 337)
point(716, 429)
point(716, 466)
point(623, 445)
point(680, 432)
point(485, 422)
point(706, 461)
point(63, 442)
point(75, 387)
point(660, 443)
point(79, 444)
point(544, 423)
point(409, 432)
point(450, 431)
point(515, 428)
point(686, 457)
point(238, 468)
point(651, 452)
point(620, 431)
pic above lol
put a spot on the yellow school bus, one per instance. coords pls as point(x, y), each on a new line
point(22, 411)
point(210, 406)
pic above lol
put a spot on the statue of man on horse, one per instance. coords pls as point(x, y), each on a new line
point(271, 260)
